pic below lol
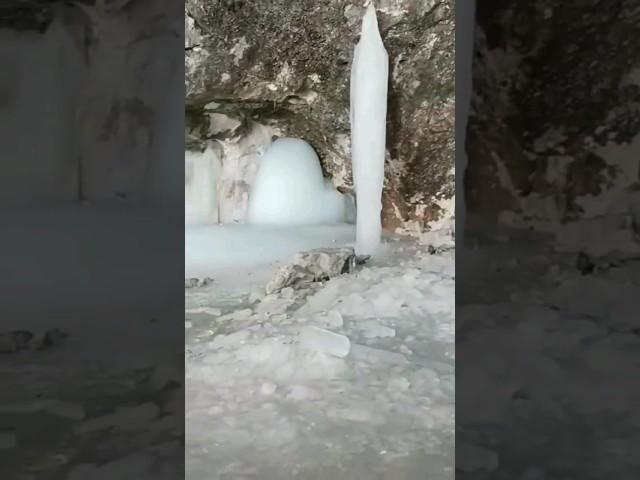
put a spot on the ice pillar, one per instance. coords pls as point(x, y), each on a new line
point(369, 78)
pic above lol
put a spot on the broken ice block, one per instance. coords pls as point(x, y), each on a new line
point(378, 356)
point(373, 329)
point(325, 341)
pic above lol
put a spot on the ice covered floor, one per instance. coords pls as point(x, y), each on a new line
point(76, 410)
point(226, 250)
point(546, 362)
point(266, 401)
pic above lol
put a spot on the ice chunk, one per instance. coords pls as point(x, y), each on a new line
point(332, 319)
point(369, 78)
point(290, 189)
point(202, 172)
point(377, 356)
point(374, 329)
point(325, 341)
point(268, 388)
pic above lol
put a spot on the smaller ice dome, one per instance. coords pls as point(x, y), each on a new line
point(289, 188)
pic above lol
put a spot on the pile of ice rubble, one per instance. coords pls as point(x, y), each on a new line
point(347, 376)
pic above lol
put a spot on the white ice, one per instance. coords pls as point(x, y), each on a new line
point(202, 173)
point(213, 250)
point(369, 78)
point(290, 189)
point(354, 379)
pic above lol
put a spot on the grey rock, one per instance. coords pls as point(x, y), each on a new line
point(555, 108)
point(197, 282)
point(313, 266)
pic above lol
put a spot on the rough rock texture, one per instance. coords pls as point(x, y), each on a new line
point(286, 65)
point(313, 266)
point(556, 114)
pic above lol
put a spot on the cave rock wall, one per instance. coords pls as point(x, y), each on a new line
point(554, 129)
point(286, 66)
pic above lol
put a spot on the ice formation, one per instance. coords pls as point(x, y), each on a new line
point(202, 171)
point(210, 250)
point(465, 21)
point(369, 78)
point(289, 188)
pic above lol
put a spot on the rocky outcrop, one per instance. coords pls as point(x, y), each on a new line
point(286, 66)
point(314, 266)
point(553, 135)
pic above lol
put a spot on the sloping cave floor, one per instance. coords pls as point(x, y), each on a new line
point(261, 403)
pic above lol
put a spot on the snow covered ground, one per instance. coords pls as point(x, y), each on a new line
point(76, 409)
point(546, 361)
point(353, 378)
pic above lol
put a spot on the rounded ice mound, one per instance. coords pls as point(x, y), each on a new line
point(289, 188)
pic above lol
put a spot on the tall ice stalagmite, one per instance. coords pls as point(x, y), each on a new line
point(369, 78)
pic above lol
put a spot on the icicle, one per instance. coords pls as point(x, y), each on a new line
point(369, 77)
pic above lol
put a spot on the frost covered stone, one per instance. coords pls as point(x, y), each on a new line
point(197, 282)
point(313, 266)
